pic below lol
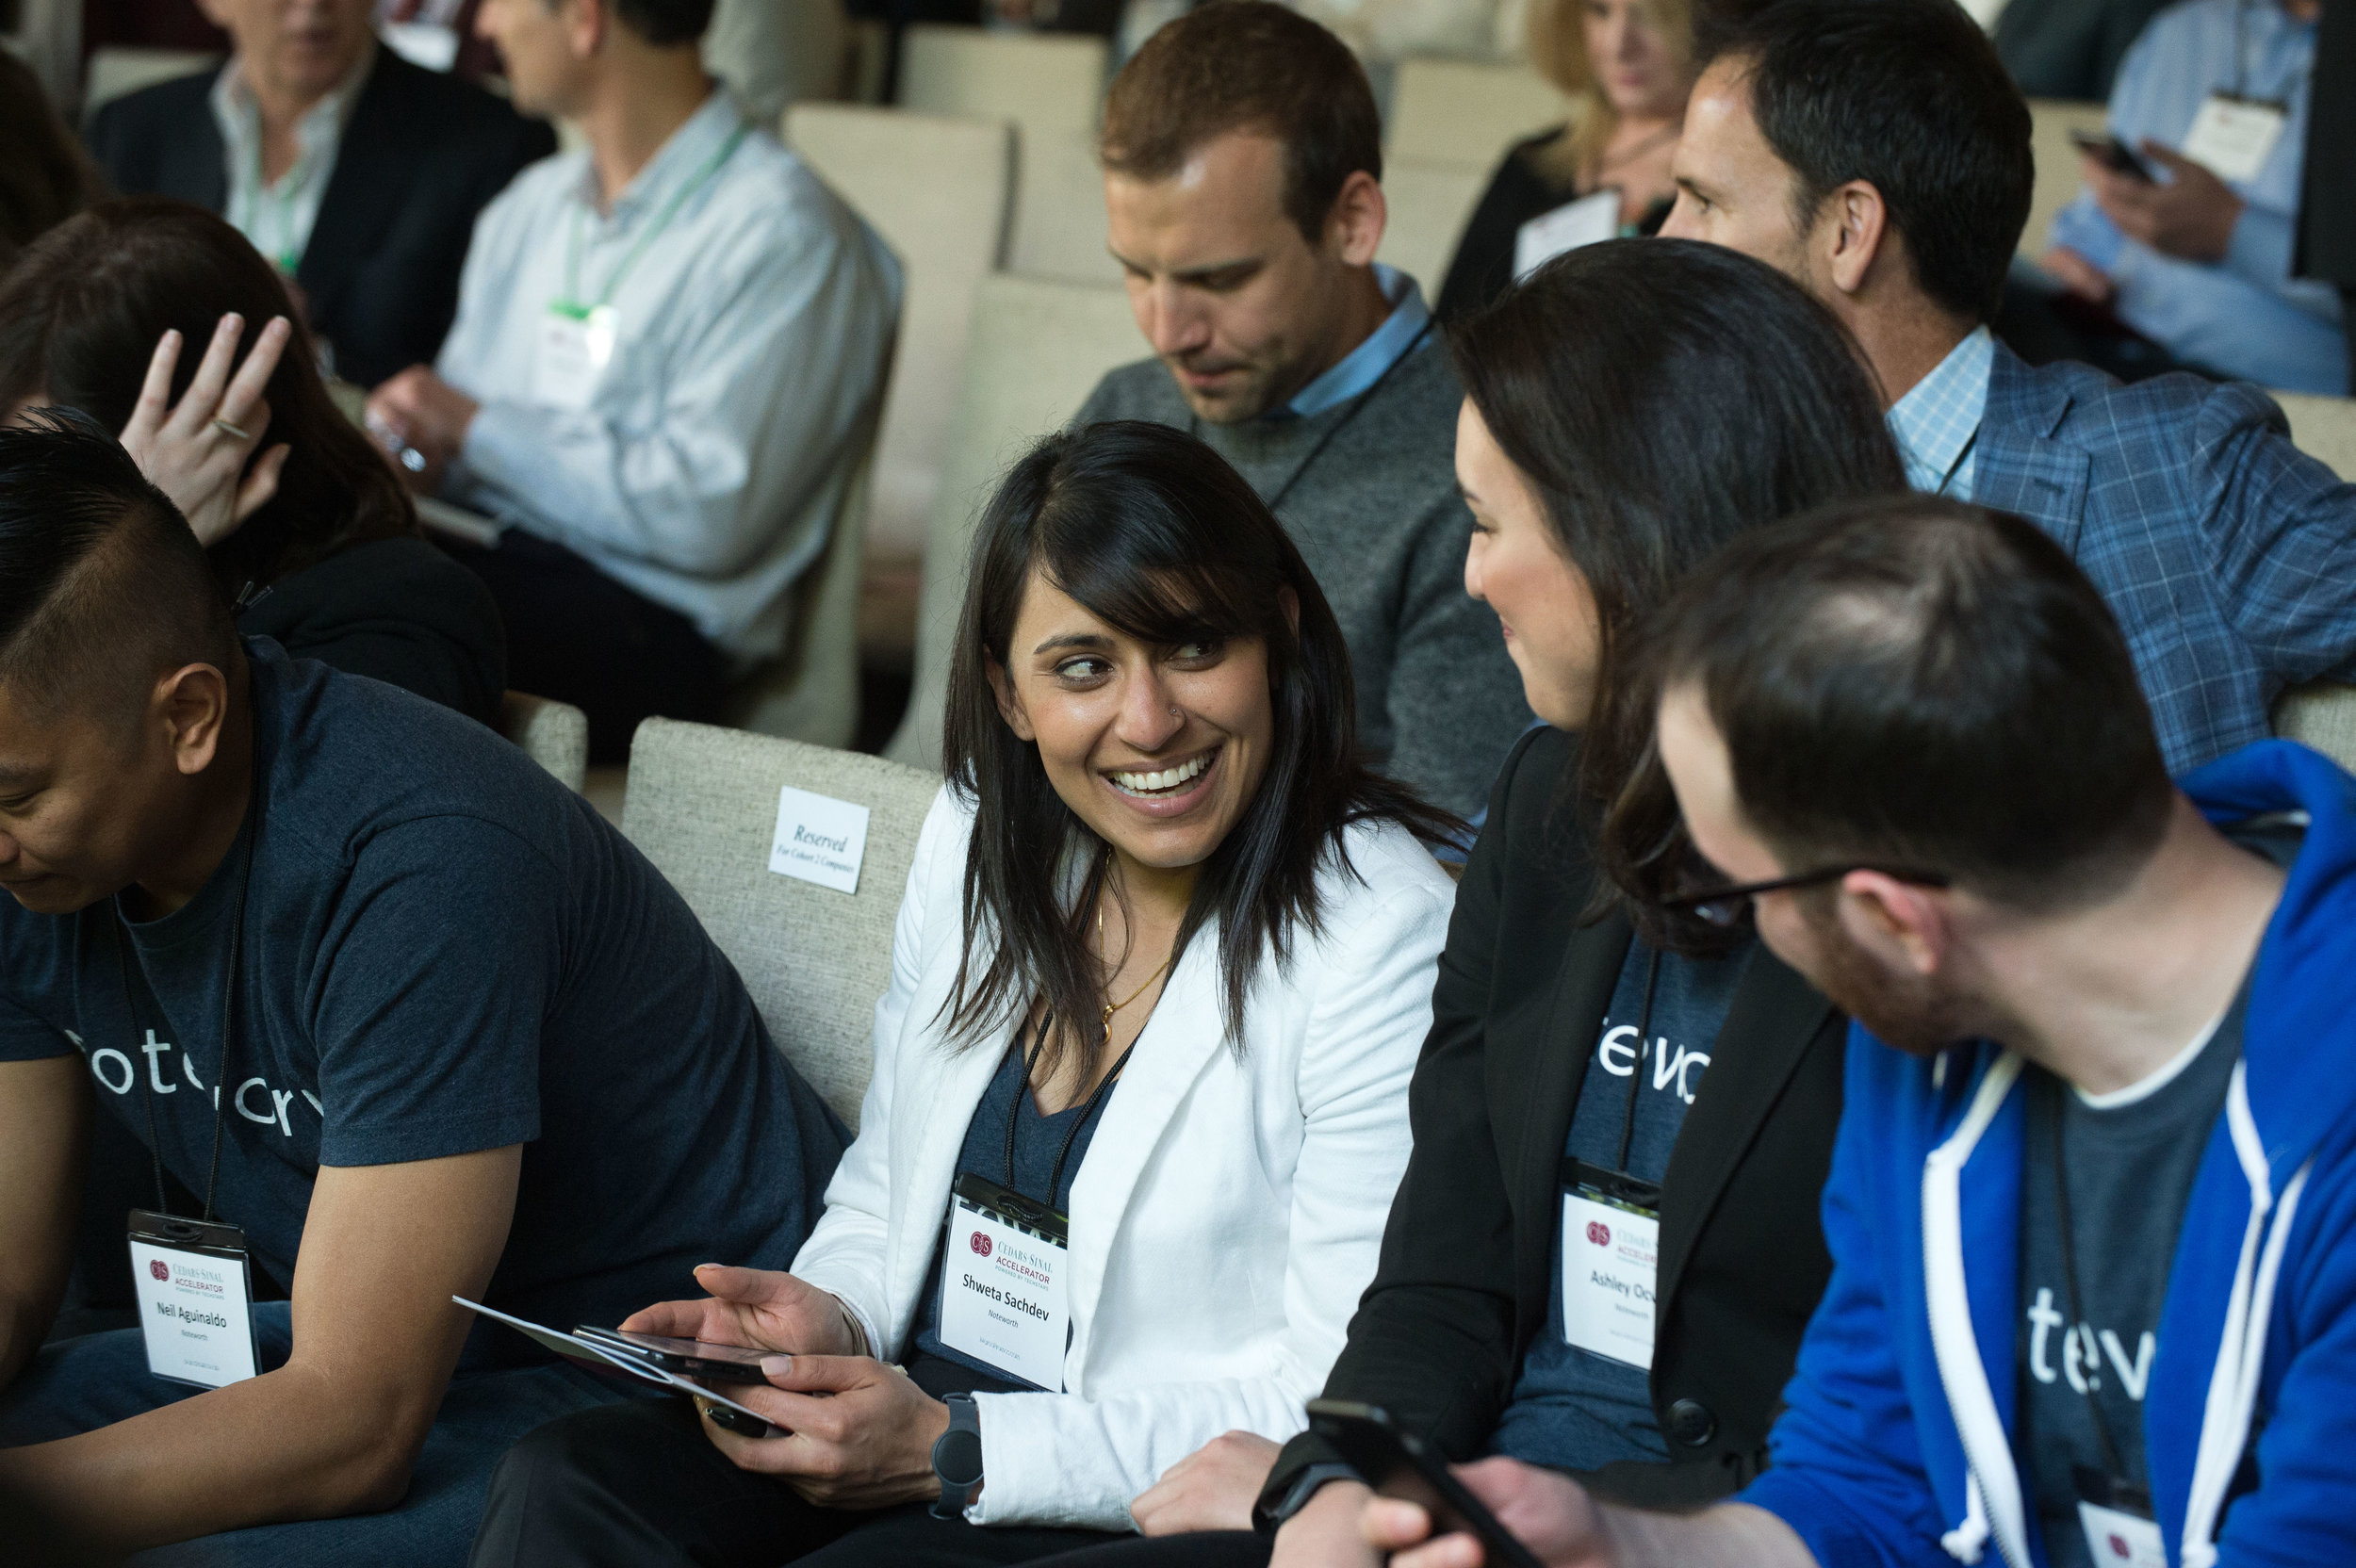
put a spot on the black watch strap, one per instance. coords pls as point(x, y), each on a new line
point(957, 1458)
point(1297, 1496)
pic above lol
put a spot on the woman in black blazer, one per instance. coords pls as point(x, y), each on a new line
point(1628, 409)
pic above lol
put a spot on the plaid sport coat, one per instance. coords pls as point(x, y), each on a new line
point(2228, 555)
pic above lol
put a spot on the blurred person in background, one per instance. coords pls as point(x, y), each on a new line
point(1629, 64)
point(2182, 257)
point(354, 172)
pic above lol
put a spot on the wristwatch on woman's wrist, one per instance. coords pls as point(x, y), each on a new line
point(957, 1458)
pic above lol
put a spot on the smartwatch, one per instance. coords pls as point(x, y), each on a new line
point(957, 1458)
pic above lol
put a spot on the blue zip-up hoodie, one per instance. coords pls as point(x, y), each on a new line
point(1897, 1446)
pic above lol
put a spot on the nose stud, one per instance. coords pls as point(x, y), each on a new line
point(1176, 714)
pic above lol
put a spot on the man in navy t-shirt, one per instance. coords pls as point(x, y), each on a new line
point(475, 1045)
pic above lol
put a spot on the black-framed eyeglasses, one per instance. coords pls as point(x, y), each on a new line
point(1723, 906)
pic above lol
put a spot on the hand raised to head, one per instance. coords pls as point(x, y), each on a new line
point(200, 451)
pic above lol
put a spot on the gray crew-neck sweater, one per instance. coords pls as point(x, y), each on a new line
point(1376, 516)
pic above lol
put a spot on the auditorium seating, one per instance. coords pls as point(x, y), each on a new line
point(703, 807)
point(1059, 211)
point(1468, 112)
point(1037, 348)
point(810, 692)
point(116, 72)
point(553, 734)
point(1044, 84)
point(937, 189)
point(2050, 120)
point(1429, 206)
point(2325, 428)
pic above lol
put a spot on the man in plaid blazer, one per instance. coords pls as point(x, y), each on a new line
point(1876, 151)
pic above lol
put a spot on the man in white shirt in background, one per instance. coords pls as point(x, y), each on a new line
point(669, 352)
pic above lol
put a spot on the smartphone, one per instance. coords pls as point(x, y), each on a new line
point(688, 1357)
point(1401, 1464)
point(2111, 154)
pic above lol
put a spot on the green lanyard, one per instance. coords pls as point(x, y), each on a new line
point(286, 254)
point(571, 303)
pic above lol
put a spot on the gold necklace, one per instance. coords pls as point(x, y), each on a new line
point(1112, 1007)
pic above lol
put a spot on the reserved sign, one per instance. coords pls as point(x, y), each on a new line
point(819, 839)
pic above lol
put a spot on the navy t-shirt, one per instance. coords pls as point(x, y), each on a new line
point(1572, 1409)
point(444, 951)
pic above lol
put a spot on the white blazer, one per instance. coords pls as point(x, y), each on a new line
point(1229, 1211)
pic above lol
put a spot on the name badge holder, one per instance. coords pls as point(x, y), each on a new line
point(578, 335)
point(2122, 1530)
point(2232, 137)
point(1611, 1236)
point(1003, 1289)
point(194, 1279)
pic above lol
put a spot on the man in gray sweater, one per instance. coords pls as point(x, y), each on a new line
point(1242, 159)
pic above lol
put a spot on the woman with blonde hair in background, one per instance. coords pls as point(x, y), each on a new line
point(1627, 66)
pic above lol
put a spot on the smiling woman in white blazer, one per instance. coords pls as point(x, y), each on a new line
point(1156, 823)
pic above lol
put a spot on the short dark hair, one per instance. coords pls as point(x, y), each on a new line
point(1914, 681)
point(1908, 96)
point(1153, 532)
point(664, 24)
point(1247, 65)
point(103, 586)
point(1659, 397)
point(80, 315)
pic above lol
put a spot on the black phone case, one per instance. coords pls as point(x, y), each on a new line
point(1401, 1464)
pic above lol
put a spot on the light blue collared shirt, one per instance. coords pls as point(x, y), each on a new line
point(1384, 347)
point(1936, 424)
point(704, 467)
point(2244, 316)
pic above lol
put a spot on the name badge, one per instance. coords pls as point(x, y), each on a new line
point(1566, 228)
point(2232, 138)
point(576, 343)
point(2121, 1532)
point(1003, 1283)
point(196, 1299)
point(1611, 1262)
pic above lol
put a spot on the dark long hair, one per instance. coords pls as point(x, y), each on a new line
point(1157, 536)
point(1659, 397)
point(79, 318)
point(45, 176)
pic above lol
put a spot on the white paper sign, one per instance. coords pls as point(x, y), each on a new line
point(2232, 138)
point(2116, 1539)
point(819, 839)
point(1611, 1268)
point(1566, 228)
point(194, 1311)
point(1002, 1297)
point(571, 355)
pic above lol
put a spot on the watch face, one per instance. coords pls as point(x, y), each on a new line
point(957, 1457)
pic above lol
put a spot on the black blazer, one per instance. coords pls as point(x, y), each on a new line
point(1461, 1288)
point(422, 154)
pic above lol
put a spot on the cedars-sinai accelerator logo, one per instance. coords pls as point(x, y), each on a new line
point(979, 1242)
point(161, 1269)
point(1598, 1233)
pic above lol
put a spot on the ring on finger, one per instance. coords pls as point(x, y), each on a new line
point(228, 429)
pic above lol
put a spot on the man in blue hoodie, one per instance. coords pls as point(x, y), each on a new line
point(2094, 1283)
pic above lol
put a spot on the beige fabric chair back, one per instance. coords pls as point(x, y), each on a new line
point(1047, 84)
point(2050, 120)
point(553, 734)
point(937, 189)
point(1037, 351)
point(1059, 211)
point(1468, 112)
point(2323, 428)
point(1429, 204)
point(2322, 715)
point(812, 691)
point(115, 72)
point(703, 807)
